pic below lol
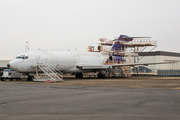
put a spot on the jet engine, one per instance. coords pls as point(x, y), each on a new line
point(115, 59)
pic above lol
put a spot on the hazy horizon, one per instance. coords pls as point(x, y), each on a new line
point(63, 25)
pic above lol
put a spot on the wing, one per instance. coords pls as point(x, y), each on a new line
point(91, 66)
point(137, 64)
point(86, 66)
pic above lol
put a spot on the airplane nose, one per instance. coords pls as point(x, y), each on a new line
point(12, 65)
point(8, 65)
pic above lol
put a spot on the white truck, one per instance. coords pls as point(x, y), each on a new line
point(9, 74)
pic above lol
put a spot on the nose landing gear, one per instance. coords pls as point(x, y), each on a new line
point(30, 78)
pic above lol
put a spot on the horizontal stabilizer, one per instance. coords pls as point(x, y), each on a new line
point(136, 37)
point(130, 37)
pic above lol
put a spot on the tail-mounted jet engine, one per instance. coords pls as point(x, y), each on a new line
point(115, 59)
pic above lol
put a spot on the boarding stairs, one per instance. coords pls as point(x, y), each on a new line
point(50, 74)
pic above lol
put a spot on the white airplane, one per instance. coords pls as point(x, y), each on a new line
point(71, 62)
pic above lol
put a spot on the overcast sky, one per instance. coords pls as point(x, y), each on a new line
point(71, 24)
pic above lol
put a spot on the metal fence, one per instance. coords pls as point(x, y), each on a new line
point(168, 72)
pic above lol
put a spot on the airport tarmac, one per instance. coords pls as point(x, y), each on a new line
point(132, 82)
point(137, 98)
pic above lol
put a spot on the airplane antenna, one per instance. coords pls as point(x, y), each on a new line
point(25, 48)
point(27, 45)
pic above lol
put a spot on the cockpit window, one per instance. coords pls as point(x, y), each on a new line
point(25, 57)
point(22, 57)
point(18, 57)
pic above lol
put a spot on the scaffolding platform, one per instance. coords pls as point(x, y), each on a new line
point(106, 42)
point(128, 48)
point(138, 43)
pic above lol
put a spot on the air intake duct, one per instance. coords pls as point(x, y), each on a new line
point(115, 59)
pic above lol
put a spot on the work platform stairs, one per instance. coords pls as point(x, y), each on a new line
point(126, 71)
point(50, 73)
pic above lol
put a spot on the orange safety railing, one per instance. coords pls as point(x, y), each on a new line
point(126, 70)
point(144, 41)
point(138, 42)
point(105, 41)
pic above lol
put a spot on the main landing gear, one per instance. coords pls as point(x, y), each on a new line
point(79, 75)
point(101, 75)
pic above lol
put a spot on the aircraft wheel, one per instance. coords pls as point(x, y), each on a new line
point(98, 75)
point(79, 75)
point(101, 76)
point(2, 79)
point(30, 78)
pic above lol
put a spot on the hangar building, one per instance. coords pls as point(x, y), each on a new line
point(160, 56)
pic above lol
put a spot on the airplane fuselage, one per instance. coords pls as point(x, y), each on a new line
point(65, 61)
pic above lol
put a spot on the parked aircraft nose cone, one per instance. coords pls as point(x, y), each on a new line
point(12, 65)
point(8, 65)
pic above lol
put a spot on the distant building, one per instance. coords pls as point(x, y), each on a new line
point(3, 64)
point(161, 56)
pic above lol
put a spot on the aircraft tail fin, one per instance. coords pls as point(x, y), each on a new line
point(121, 38)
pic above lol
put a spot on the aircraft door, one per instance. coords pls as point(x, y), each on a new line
point(36, 60)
